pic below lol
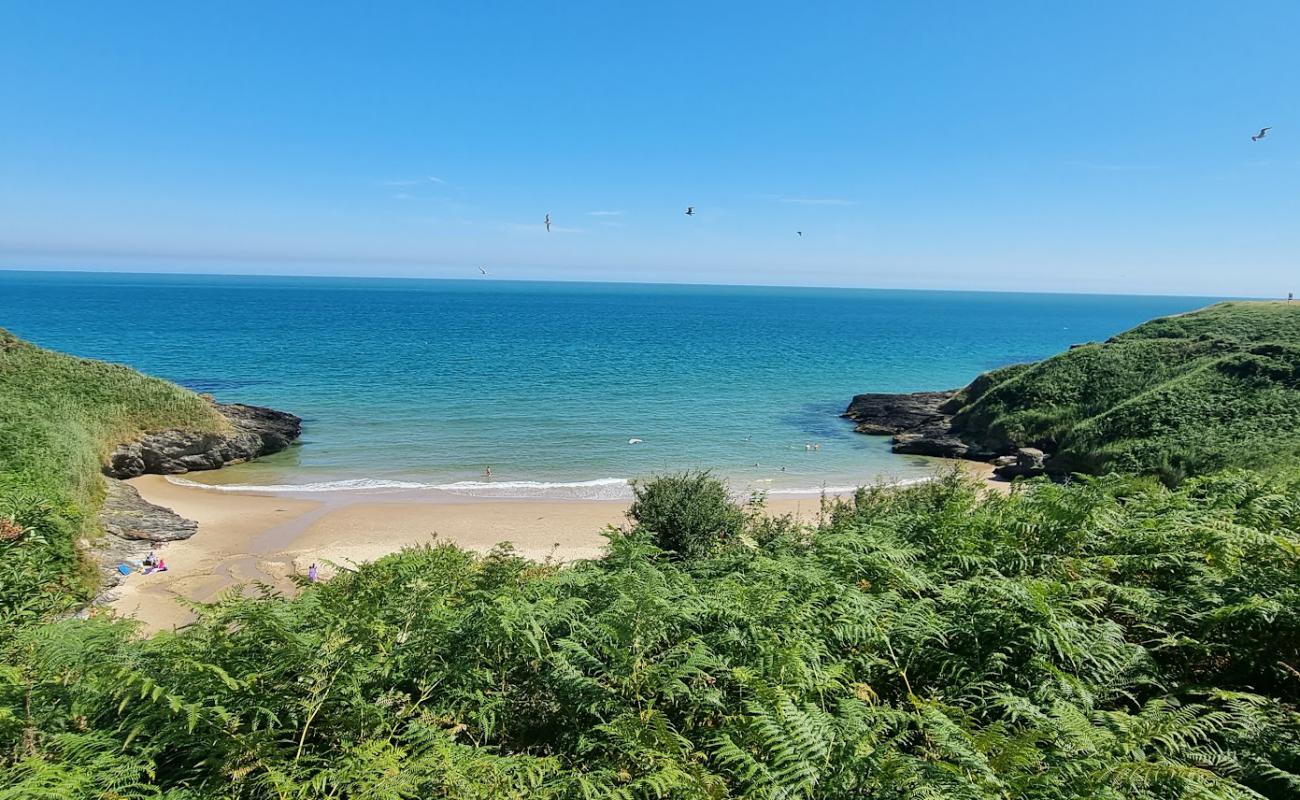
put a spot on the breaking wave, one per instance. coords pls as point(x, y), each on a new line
point(599, 489)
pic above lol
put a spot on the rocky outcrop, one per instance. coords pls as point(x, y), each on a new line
point(1028, 462)
point(919, 422)
point(132, 527)
point(127, 515)
point(255, 431)
point(933, 439)
point(890, 414)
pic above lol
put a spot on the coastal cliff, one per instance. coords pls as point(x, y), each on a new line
point(920, 422)
point(1173, 397)
point(132, 525)
point(69, 428)
point(254, 431)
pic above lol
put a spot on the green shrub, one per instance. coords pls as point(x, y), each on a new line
point(38, 561)
point(688, 514)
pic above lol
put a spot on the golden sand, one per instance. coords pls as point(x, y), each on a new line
point(244, 539)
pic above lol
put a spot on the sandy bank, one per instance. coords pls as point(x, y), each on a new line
point(249, 538)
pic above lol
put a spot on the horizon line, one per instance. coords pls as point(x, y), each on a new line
point(492, 279)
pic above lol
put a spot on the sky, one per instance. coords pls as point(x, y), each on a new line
point(1094, 147)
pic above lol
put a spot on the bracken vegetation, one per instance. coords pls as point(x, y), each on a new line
point(1107, 639)
point(1177, 396)
point(1110, 639)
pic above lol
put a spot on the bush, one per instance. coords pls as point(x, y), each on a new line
point(687, 514)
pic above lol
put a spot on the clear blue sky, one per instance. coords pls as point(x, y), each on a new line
point(1098, 146)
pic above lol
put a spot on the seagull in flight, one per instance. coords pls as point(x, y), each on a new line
point(548, 223)
point(1262, 133)
point(690, 211)
point(800, 233)
point(480, 269)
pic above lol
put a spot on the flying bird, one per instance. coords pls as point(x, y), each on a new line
point(690, 211)
point(1262, 133)
point(800, 234)
point(548, 223)
point(480, 269)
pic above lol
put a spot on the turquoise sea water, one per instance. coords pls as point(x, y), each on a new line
point(411, 383)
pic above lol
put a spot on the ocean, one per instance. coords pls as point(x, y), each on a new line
point(415, 385)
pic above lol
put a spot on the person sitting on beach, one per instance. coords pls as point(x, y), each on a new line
point(160, 566)
point(150, 559)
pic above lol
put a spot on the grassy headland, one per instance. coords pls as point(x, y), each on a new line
point(1177, 396)
point(59, 417)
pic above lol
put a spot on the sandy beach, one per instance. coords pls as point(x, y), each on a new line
point(245, 538)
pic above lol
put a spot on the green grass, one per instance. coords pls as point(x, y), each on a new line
point(60, 416)
point(1176, 396)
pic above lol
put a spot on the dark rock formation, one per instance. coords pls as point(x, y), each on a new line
point(932, 439)
point(127, 515)
point(919, 422)
point(132, 526)
point(256, 432)
point(889, 414)
point(1028, 462)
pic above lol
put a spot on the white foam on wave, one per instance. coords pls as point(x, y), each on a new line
point(357, 484)
point(835, 490)
point(599, 489)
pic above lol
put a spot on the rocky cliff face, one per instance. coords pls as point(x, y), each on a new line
point(132, 527)
point(921, 424)
point(889, 414)
point(256, 432)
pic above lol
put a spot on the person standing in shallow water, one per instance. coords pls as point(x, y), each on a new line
point(487, 473)
point(311, 572)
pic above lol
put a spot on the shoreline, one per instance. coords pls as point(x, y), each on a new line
point(245, 538)
point(525, 490)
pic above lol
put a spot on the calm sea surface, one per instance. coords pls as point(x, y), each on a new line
point(411, 383)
